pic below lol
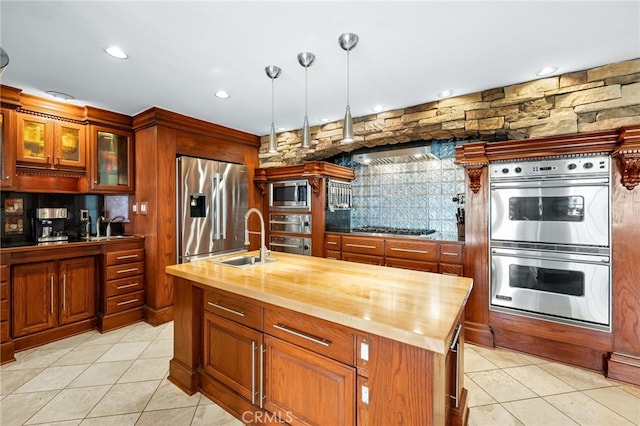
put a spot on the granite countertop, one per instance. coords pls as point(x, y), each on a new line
point(417, 308)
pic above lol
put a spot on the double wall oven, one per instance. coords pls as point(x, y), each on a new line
point(550, 240)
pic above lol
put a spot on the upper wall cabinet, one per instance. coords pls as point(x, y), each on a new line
point(48, 143)
point(112, 160)
point(7, 147)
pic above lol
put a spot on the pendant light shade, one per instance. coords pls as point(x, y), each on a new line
point(306, 60)
point(273, 72)
point(347, 42)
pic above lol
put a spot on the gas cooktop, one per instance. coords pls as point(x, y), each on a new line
point(394, 231)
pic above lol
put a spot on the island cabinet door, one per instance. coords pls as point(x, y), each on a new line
point(232, 355)
point(305, 388)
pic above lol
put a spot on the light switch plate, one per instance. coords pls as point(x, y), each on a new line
point(143, 208)
point(365, 394)
point(364, 351)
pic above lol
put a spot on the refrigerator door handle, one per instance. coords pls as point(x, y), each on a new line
point(216, 208)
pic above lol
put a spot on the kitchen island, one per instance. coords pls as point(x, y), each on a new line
point(307, 340)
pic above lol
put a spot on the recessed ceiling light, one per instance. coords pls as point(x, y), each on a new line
point(222, 94)
point(546, 71)
point(59, 95)
point(445, 93)
point(116, 52)
point(378, 108)
point(324, 120)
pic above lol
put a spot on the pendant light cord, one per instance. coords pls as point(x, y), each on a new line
point(272, 99)
point(306, 69)
point(348, 79)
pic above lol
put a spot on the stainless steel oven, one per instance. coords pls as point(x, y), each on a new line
point(290, 223)
point(295, 245)
point(554, 201)
point(289, 195)
point(565, 286)
point(550, 240)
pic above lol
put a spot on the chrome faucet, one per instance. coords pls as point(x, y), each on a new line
point(120, 218)
point(263, 248)
point(98, 223)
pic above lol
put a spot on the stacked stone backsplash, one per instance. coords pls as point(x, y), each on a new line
point(602, 98)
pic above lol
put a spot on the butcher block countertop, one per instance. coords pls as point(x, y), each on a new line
point(417, 308)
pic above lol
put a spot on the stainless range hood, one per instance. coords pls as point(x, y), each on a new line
point(404, 155)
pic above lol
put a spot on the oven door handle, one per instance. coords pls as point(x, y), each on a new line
point(284, 245)
point(528, 254)
point(549, 183)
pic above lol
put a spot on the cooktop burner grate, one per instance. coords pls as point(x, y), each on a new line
point(390, 230)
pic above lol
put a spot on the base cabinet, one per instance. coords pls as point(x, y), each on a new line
point(329, 386)
point(53, 293)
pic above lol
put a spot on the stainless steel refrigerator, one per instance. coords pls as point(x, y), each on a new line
point(212, 200)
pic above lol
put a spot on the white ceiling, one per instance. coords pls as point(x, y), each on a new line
point(182, 52)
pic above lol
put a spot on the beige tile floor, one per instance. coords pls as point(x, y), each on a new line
point(119, 379)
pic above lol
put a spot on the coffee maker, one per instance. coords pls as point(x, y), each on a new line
point(48, 224)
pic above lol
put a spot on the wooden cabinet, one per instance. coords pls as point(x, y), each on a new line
point(450, 261)
point(444, 257)
point(411, 254)
point(332, 246)
point(47, 143)
point(305, 388)
point(52, 293)
point(363, 250)
point(112, 160)
point(122, 299)
point(8, 149)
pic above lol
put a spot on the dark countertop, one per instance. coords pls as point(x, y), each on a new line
point(72, 242)
point(436, 236)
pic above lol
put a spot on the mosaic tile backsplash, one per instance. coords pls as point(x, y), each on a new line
point(408, 195)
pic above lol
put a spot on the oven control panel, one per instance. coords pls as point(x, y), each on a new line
point(556, 167)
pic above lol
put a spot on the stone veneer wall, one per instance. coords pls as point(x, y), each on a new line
point(602, 98)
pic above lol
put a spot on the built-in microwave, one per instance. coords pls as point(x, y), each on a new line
point(290, 195)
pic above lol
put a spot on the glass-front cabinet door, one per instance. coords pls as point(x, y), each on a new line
point(44, 142)
point(35, 140)
point(112, 160)
point(69, 144)
point(7, 147)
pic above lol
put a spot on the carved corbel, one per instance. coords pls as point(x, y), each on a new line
point(474, 171)
point(260, 180)
point(316, 184)
point(629, 168)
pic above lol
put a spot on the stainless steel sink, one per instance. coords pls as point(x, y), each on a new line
point(244, 261)
point(113, 237)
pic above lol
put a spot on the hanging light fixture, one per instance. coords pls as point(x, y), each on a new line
point(306, 60)
point(348, 41)
point(273, 72)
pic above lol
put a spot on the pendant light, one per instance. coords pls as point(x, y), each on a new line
point(306, 60)
point(348, 41)
point(273, 72)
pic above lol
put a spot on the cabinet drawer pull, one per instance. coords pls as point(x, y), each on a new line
point(224, 308)
point(449, 253)
point(124, 271)
point(332, 243)
point(409, 250)
point(128, 302)
point(120, 287)
point(360, 246)
point(451, 274)
point(318, 340)
point(128, 256)
point(51, 289)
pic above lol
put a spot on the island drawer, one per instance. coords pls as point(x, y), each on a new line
point(125, 270)
point(125, 256)
point(233, 307)
point(332, 242)
point(363, 245)
point(410, 249)
point(451, 253)
point(124, 302)
point(363, 258)
point(125, 285)
point(320, 336)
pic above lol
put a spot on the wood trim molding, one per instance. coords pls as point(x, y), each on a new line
point(158, 117)
point(313, 171)
point(10, 97)
point(623, 144)
point(623, 367)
